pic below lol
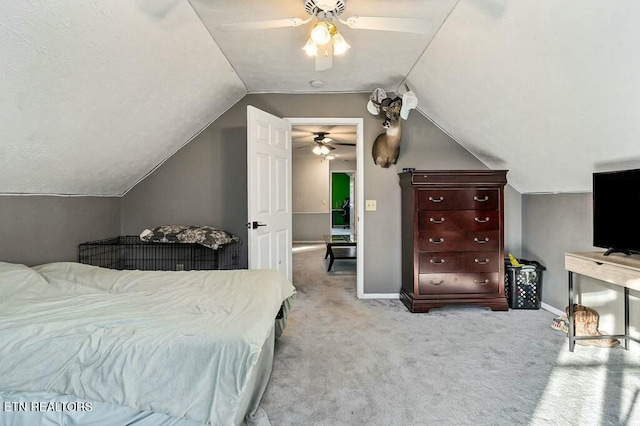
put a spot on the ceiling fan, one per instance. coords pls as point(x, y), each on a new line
point(323, 145)
point(325, 39)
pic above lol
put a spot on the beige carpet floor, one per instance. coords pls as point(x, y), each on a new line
point(345, 361)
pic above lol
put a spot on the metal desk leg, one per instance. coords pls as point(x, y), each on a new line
point(571, 324)
point(626, 317)
point(326, 254)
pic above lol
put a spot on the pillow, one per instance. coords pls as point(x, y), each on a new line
point(207, 236)
point(17, 280)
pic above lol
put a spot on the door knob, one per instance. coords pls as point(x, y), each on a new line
point(255, 225)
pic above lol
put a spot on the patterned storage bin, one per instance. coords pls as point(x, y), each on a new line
point(523, 284)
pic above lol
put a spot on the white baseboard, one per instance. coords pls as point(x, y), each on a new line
point(543, 305)
point(551, 309)
point(381, 296)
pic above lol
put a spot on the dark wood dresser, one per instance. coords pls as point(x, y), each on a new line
point(453, 238)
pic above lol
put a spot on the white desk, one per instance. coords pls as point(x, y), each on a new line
point(618, 269)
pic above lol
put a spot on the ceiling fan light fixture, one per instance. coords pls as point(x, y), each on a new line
point(330, 157)
point(340, 45)
point(320, 150)
point(311, 48)
point(322, 32)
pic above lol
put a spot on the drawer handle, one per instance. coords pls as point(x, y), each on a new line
point(437, 262)
point(436, 200)
point(481, 200)
point(482, 262)
point(438, 241)
point(437, 220)
point(481, 241)
point(485, 220)
point(437, 283)
point(484, 282)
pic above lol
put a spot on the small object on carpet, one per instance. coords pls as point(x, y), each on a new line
point(560, 323)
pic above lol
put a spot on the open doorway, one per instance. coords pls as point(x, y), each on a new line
point(313, 205)
point(343, 203)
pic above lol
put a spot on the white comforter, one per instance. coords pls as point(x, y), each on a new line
point(180, 343)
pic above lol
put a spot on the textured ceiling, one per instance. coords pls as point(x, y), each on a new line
point(273, 60)
point(549, 90)
point(94, 95)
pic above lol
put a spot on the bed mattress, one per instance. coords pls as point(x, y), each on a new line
point(194, 345)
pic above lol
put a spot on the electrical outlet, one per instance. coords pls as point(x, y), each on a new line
point(371, 205)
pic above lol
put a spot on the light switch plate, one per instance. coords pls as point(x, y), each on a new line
point(371, 205)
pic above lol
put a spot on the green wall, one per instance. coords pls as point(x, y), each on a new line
point(339, 191)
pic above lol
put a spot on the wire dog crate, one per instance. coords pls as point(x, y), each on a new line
point(129, 252)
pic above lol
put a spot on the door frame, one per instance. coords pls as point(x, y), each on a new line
point(359, 124)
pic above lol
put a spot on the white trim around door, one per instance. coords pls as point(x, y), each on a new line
point(359, 123)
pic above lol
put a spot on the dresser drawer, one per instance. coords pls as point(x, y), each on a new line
point(471, 261)
point(465, 220)
point(447, 240)
point(458, 199)
point(458, 283)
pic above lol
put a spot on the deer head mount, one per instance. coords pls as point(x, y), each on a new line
point(390, 108)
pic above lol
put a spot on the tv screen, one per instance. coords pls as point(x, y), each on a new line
point(616, 211)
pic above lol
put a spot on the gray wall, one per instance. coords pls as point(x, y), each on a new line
point(310, 227)
point(310, 198)
point(512, 221)
point(205, 182)
point(551, 226)
point(42, 229)
point(559, 223)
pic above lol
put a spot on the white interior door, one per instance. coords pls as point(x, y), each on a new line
point(269, 191)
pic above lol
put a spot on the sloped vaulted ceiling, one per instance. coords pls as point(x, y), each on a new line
point(547, 89)
point(95, 94)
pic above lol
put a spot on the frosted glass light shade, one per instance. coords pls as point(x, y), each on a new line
point(320, 150)
point(321, 34)
point(340, 45)
point(311, 48)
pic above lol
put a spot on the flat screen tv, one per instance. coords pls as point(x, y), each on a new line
point(616, 211)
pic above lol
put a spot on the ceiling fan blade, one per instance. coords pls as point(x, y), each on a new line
point(324, 57)
point(406, 25)
point(264, 25)
point(344, 143)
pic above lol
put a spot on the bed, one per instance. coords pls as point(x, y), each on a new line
point(81, 344)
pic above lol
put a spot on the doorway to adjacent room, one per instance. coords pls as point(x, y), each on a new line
point(320, 211)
